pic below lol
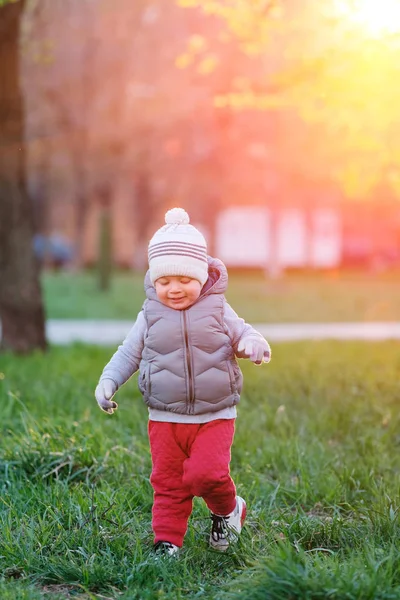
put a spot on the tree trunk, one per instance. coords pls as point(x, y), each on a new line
point(105, 238)
point(144, 212)
point(21, 307)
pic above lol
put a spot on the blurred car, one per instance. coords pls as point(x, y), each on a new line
point(53, 251)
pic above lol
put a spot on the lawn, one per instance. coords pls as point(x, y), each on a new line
point(316, 456)
point(297, 297)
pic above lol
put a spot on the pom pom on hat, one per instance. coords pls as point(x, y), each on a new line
point(177, 216)
point(178, 248)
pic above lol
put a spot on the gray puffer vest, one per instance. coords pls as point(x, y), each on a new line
point(188, 364)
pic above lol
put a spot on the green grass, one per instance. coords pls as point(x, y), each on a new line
point(316, 456)
point(339, 296)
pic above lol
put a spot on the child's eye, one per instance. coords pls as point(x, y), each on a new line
point(163, 281)
point(186, 280)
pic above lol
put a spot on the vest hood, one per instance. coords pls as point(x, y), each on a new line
point(216, 283)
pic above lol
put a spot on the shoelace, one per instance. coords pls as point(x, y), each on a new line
point(219, 527)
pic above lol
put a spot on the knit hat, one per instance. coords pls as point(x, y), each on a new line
point(178, 249)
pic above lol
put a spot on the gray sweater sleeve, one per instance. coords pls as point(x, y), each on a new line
point(125, 362)
point(237, 329)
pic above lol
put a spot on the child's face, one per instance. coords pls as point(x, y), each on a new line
point(177, 292)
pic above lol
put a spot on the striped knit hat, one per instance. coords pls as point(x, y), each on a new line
point(178, 249)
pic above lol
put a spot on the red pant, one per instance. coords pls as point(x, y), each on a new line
point(189, 460)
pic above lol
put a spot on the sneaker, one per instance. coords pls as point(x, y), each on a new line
point(165, 548)
point(226, 529)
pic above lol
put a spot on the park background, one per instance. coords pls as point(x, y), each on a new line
point(275, 125)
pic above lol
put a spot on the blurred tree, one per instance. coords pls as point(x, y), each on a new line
point(39, 188)
point(21, 307)
point(144, 204)
point(334, 64)
point(62, 116)
point(105, 237)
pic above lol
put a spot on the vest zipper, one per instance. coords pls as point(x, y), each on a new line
point(188, 361)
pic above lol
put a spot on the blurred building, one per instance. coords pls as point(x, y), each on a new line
point(288, 237)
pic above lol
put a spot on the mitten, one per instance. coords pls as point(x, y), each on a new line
point(256, 348)
point(104, 392)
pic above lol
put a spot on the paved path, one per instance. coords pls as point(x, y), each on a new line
point(113, 332)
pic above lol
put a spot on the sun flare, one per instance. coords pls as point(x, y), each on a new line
point(377, 17)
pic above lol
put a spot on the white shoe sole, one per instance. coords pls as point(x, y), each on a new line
point(233, 532)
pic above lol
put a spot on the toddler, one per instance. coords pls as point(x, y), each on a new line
point(184, 343)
